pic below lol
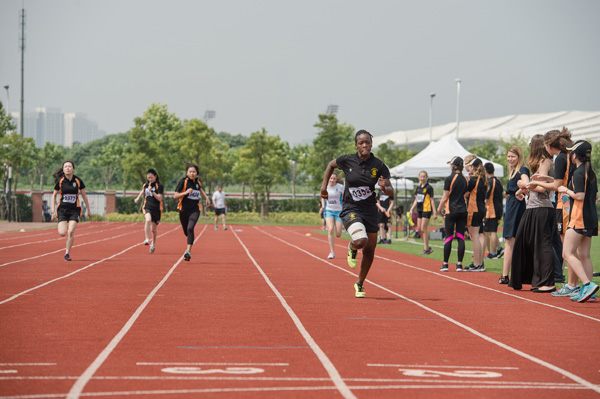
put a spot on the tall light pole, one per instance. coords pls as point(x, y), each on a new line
point(22, 48)
point(457, 80)
point(431, 116)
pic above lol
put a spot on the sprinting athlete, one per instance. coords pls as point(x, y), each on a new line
point(362, 171)
point(331, 209)
point(188, 192)
point(455, 218)
point(69, 187)
point(153, 206)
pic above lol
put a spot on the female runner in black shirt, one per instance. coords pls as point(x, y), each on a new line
point(188, 193)
point(152, 191)
point(69, 187)
point(362, 171)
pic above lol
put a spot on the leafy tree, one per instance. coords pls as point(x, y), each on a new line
point(489, 150)
point(6, 122)
point(393, 156)
point(333, 139)
point(296, 155)
point(49, 155)
point(150, 143)
point(232, 141)
point(261, 162)
point(109, 161)
point(16, 153)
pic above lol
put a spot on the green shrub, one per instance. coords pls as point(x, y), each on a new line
point(297, 218)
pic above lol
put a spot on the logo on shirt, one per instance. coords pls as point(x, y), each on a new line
point(352, 216)
point(74, 184)
point(374, 172)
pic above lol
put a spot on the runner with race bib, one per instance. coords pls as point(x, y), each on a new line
point(69, 187)
point(188, 192)
point(362, 171)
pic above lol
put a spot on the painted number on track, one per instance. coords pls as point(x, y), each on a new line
point(455, 373)
point(199, 370)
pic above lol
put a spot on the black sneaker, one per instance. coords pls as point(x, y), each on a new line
point(470, 267)
point(491, 255)
point(459, 268)
point(67, 257)
point(499, 252)
point(480, 268)
point(428, 251)
point(444, 267)
point(503, 280)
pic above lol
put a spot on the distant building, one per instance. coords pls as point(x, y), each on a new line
point(52, 125)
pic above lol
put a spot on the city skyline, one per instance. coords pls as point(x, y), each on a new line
point(277, 65)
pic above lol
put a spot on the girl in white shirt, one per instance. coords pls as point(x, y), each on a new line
point(332, 208)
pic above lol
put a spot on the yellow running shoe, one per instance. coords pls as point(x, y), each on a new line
point(352, 262)
point(358, 290)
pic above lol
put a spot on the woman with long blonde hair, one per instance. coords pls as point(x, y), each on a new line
point(518, 178)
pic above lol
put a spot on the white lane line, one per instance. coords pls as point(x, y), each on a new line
point(60, 238)
point(335, 376)
point(75, 271)
point(210, 364)
point(445, 367)
point(444, 275)
point(77, 388)
point(522, 354)
point(27, 364)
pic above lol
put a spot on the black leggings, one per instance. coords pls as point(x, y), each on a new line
point(458, 221)
point(188, 221)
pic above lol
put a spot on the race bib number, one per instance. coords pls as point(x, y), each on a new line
point(420, 197)
point(149, 192)
point(69, 198)
point(194, 195)
point(360, 193)
point(332, 201)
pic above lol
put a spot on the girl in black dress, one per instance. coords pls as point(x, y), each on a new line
point(515, 204)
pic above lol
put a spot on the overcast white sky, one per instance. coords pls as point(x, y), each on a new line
point(278, 64)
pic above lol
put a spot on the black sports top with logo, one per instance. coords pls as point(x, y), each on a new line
point(150, 202)
point(456, 184)
point(69, 191)
point(496, 193)
point(361, 179)
point(424, 195)
point(190, 202)
point(479, 195)
point(583, 212)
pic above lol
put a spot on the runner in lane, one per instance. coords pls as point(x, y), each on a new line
point(188, 193)
point(153, 206)
point(362, 171)
point(70, 187)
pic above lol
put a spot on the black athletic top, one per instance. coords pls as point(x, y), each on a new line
point(384, 199)
point(424, 195)
point(494, 196)
point(456, 184)
point(190, 202)
point(361, 179)
point(151, 203)
point(479, 197)
point(69, 192)
point(561, 171)
point(583, 212)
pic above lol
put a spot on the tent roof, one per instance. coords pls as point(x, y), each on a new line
point(434, 159)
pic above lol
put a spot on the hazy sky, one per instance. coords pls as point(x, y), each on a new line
point(277, 64)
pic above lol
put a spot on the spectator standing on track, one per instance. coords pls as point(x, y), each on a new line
point(556, 143)
point(476, 190)
point(493, 215)
point(152, 191)
point(70, 187)
point(583, 218)
point(515, 204)
point(331, 209)
point(533, 258)
point(425, 208)
point(220, 206)
point(455, 217)
point(362, 171)
point(385, 204)
point(188, 192)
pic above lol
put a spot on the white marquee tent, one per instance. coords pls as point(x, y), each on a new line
point(434, 159)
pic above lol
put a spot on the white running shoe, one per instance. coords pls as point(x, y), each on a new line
point(152, 248)
point(331, 256)
point(146, 242)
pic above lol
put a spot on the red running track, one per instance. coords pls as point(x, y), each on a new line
point(260, 313)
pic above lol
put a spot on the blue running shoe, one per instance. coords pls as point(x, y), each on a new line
point(587, 291)
point(187, 256)
point(567, 291)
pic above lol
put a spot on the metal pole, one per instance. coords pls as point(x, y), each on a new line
point(22, 46)
point(431, 116)
point(8, 196)
point(457, 80)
